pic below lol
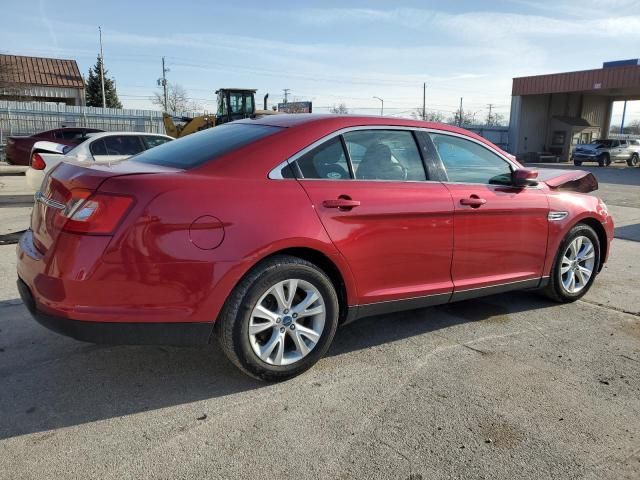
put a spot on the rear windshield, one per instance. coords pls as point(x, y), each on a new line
point(201, 147)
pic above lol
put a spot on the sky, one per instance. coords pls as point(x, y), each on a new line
point(331, 52)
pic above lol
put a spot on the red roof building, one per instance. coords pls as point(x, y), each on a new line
point(41, 80)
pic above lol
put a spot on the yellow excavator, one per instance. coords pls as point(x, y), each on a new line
point(233, 104)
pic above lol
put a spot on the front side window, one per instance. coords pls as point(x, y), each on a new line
point(384, 155)
point(466, 161)
point(235, 102)
point(326, 161)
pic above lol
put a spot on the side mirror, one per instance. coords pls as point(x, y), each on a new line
point(524, 177)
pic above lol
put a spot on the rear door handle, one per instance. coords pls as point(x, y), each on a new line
point(473, 201)
point(341, 203)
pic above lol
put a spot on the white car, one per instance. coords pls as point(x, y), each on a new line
point(102, 147)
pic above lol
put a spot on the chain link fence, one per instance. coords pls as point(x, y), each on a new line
point(24, 118)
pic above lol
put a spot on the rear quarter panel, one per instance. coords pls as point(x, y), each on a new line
point(259, 217)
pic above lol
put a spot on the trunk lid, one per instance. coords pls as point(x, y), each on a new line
point(569, 180)
point(47, 219)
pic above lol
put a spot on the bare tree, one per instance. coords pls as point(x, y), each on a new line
point(468, 118)
point(178, 100)
point(495, 119)
point(631, 128)
point(429, 115)
point(341, 108)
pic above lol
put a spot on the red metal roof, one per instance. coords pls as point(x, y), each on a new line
point(50, 72)
point(586, 80)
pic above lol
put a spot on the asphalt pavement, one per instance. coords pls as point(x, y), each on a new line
point(508, 386)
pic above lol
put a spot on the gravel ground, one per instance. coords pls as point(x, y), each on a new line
point(509, 386)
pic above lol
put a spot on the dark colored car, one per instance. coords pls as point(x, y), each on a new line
point(267, 234)
point(18, 149)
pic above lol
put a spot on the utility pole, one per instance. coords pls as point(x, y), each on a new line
point(460, 114)
point(286, 94)
point(104, 100)
point(164, 85)
point(489, 117)
point(424, 101)
point(624, 113)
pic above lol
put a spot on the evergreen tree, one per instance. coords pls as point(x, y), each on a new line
point(94, 88)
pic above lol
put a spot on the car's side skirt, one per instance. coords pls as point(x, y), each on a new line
point(392, 306)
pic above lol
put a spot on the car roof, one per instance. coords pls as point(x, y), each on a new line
point(344, 121)
point(337, 122)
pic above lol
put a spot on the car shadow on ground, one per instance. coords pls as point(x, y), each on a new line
point(628, 232)
point(48, 381)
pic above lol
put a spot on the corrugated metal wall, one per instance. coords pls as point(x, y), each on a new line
point(599, 79)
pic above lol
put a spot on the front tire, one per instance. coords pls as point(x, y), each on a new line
point(576, 265)
point(280, 319)
point(577, 163)
point(633, 161)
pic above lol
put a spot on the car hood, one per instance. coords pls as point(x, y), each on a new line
point(571, 180)
point(589, 147)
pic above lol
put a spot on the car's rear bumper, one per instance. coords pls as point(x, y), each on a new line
point(119, 333)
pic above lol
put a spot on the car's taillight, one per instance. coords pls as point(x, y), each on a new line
point(37, 163)
point(98, 213)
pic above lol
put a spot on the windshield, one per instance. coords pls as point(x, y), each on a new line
point(205, 146)
point(605, 143)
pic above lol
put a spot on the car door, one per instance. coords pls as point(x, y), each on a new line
point(500, 231)
point(111, 148)
point(393, 226)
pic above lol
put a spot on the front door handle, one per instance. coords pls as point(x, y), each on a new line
point(473, 201)
point(342, 203)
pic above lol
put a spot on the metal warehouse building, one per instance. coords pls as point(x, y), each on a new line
point(553, 113)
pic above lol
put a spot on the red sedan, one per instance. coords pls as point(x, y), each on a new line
point(268, 234)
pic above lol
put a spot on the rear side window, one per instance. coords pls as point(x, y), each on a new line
point(326, 161)
point(384, 155)
point(204, 146)
point(117, 145)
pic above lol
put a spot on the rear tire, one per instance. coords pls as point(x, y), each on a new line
point(577, 163)
point(633, 161)
point(259, 329)
point(574, 259)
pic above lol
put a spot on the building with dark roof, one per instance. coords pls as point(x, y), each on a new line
point(37, 79)
point(554, 113)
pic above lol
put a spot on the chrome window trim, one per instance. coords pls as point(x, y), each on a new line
point(276, 172)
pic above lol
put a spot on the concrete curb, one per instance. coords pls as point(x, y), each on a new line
point(12, 169)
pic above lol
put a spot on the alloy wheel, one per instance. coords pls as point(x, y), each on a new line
point(578, 263)
point(287, 322)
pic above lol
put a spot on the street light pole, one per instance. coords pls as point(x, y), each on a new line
point(381, 107)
